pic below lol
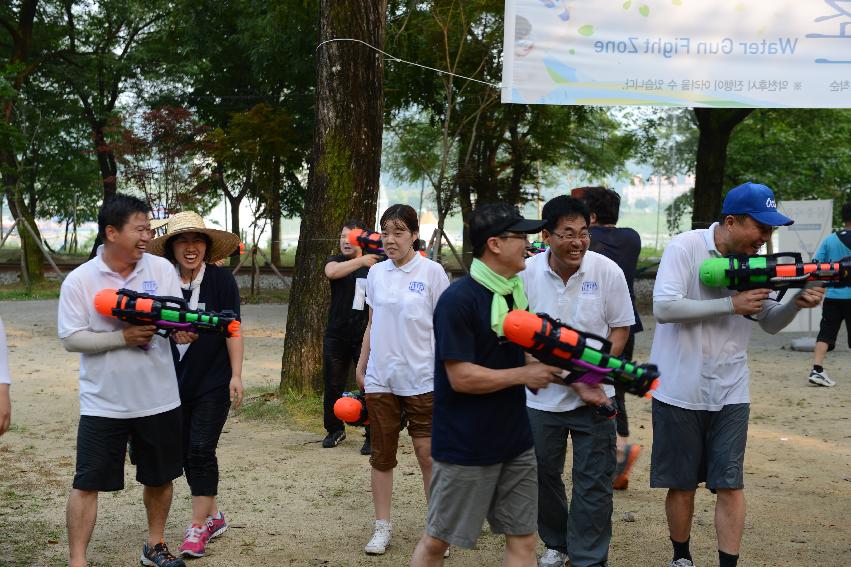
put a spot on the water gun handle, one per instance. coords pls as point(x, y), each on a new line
point(609, 411)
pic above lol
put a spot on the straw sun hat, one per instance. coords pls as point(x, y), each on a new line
point(222, 242)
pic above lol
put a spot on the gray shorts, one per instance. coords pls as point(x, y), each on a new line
point(694, 446)
point(462, 496)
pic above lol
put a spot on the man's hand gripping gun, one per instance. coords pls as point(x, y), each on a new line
point(167, 313)
point(554, 343)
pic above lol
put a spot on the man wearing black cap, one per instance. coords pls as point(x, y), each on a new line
point(702, 404)
point(483, 460)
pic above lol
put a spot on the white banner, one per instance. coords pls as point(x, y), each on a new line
point(813, 223)
point(695, 53)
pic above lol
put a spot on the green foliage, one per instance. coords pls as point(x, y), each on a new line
point(679, 209)
point(800, 153)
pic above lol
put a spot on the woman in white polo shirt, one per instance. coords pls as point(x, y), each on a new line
point(396, 366)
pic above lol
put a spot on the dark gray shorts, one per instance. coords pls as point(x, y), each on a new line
point(694, 446)
point(461, 497)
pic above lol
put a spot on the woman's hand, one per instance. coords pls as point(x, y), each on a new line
point(236, 391)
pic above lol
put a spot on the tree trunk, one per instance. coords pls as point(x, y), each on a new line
point(715, 126)
point(275, 214)
point(344, 174)
point(21, 37)
point(29, 247)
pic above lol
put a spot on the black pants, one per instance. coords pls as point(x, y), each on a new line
point(622, 419)
point(203, 421)
point(337, 355)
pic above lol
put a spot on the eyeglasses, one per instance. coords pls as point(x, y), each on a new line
point(517, 236)
point(583, 236)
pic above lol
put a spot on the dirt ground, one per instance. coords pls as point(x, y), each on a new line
point(292, 503)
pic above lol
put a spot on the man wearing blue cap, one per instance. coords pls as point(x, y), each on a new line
point(702, 404)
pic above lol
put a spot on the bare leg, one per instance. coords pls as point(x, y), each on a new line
point(80, 516)
point(679, 508)
point(382, 493)
point(730, 520)
point(621, 447)
point(429, 552)
point(520, 551)
point(203, 506)
point(157, 503)
point(819, 353)
point(422, 448)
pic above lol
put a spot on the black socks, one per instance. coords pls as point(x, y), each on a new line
point(818, 368)
point(681, 550)
point(727, 560)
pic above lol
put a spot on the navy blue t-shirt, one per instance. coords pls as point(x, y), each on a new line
point(623, 246)
point(475, 429)
point(206, 366)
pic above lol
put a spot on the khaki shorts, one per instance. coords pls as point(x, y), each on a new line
point(385, 419)
point(461, 497)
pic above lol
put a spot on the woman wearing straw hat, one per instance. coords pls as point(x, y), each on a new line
point(209, 370)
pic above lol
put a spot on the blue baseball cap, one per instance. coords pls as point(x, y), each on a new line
point(757, 201)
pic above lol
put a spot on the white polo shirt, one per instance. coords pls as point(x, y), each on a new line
point(126, 382)
point(401, 340)
point(595, 299)
point(5, 377)
point(703, 365)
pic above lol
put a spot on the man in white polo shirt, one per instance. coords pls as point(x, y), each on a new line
point(128, 386)
point(588, 292)
point(701, 407)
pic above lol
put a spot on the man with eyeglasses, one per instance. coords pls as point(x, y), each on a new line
point(588, 292)
point(128, 385)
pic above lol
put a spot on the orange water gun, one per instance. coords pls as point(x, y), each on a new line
point(554, 343)
point(169, 314)
point(351, 409)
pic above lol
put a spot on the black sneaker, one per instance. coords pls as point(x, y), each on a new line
point(159, 556)
point(333, 439)
point(366, 448)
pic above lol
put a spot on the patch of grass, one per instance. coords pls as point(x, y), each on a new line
point(265, 296)
point(290, 407)
point(47, 289)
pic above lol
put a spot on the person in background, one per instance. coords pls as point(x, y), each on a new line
point(837, 302)
point(5, 384)
point(209, 371)
point(623, 246)
point(347, 318)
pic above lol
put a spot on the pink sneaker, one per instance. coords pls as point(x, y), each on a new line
point(195, 541)
point(216, 525)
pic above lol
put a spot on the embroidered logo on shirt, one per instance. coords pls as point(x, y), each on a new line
point(416, 287)
point(149, 286)
point(589, 288)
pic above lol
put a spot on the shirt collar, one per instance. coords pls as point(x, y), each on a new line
point(709, 240)
point(104, 268)
point(582, 265)
point(407, 267)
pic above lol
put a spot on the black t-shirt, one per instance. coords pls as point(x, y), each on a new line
point(205, 366)
point(475, 429)
point(343, 321)
point(623, 246)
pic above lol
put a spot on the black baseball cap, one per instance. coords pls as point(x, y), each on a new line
point(494, 219)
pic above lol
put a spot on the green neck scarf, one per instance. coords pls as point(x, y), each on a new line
point(500, 287)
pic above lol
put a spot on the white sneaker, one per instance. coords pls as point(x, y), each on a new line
point(682, 563)
point(552, 558)
point(821, 379)
point(380, 538)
